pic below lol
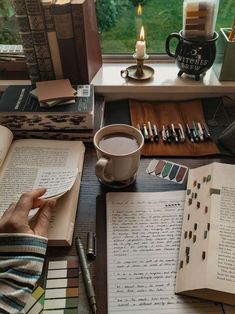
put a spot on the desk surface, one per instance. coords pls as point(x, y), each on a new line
point(91, 188)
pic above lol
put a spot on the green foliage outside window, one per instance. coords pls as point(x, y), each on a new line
point(8, 27)
point(119, 25)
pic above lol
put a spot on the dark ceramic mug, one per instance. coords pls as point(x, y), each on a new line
point(192, 57)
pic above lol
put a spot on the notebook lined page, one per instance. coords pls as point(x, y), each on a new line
point(143, 238)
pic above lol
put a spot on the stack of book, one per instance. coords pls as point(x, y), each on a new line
point(59, 39)
point(20, 111)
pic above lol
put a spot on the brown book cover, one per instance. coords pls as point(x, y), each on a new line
point(55, 89)
point(61, 11)
point(52, 39)
point(86, 39)
point(39, 35)
point(26, 39)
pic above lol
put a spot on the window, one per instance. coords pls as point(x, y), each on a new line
point(119, 23)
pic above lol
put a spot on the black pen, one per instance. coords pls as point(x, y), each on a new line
point(86, 274)
point(189, 133)
point(168, 134)
point(146, 135)
point(195, 132)
point(174, 133)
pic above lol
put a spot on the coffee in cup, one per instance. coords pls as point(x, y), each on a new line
point(118, 148)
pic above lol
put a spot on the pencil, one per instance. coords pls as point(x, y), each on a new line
point(150, 131)
point(232, 33)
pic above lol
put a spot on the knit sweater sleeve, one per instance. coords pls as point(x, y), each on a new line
point(21, 262)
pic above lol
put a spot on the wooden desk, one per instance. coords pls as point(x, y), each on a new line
point(90, 188)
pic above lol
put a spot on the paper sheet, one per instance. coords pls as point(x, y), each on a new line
point(143, 237)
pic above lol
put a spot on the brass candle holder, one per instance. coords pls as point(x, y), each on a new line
point(140, 71)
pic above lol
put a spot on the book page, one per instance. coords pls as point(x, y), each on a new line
point(55, 180)
point(221, 261)
point(24, 162)
point(6, 138)
point(143, 237)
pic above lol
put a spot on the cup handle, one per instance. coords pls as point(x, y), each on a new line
point(100, 170)
point(167, 46)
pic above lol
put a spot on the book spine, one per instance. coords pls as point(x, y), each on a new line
point(52, 39)
point(39, 34)
point(65, 36)
point(27, 40)
point(80, 42)
point(86, 39)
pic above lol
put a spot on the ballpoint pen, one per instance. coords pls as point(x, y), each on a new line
point(164, 138)
point(200, 132)
point(181, 133)
point(174, 133)
point(206, 131)
point(146, 135)
point(189, 133)
point(86, 274)
point(155, 133)
point(195, 132)
point(168, 134)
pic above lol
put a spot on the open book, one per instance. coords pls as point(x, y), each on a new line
point(207, 251)
point(57, 165)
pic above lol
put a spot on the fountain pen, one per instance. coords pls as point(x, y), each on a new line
point(86, 274)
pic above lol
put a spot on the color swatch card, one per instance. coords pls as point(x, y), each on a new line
point(35, 302)
point(167, 170)
point(61, 286)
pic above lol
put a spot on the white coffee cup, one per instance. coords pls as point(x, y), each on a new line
point(118, 148)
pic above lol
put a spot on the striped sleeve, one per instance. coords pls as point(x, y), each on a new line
point(21, 262)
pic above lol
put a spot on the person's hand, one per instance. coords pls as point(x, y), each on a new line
point(16, 218)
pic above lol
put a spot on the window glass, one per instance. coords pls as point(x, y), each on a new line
point(119, 23)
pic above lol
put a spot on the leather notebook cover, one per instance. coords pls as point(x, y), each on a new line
point(101, 256)
point(166, 113)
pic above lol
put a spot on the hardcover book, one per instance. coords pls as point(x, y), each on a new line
point(86, 37)
point(206, 267)
point(39, 36)
point(52, 39)
point(21, 111)
point(27, 40)
point(84, 135)
point(61, 11)
point(20, 163)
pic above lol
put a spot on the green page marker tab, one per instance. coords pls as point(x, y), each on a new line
point(166, 169)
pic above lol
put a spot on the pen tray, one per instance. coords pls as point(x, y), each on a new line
point(168, 112)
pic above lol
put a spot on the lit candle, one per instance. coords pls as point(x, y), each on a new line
point(140, 47)
point(138, 18)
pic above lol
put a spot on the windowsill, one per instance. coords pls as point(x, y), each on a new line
point(165, 84)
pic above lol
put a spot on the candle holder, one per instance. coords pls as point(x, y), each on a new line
point(138, 71)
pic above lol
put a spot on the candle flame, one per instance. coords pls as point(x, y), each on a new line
point(142, 33)
point(139, 10)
